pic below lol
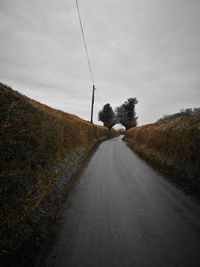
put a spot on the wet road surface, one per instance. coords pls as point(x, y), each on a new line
point(122, 213)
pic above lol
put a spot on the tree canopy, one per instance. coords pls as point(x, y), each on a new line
point(126, 114)
point(107, 116)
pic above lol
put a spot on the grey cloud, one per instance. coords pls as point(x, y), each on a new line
point(147, 49)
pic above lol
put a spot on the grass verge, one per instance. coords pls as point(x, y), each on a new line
point(172, 146)
point(42, 150)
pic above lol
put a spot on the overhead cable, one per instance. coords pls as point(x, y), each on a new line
point(85, 43)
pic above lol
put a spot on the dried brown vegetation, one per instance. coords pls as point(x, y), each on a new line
point(34, 138)
point(173, 146)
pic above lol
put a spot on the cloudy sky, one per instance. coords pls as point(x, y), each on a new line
point(149, 49)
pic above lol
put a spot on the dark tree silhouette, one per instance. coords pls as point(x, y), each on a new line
point(126, 113)
point(107, 116)
point(182, 113)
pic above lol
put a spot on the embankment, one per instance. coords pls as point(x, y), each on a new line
point(173, 147)
point(41, 151)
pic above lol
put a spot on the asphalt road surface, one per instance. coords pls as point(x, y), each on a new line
point(122, 213)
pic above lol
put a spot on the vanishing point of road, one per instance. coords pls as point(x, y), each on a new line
point(122, 213)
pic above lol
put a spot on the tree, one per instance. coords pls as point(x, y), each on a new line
point(107, 116)
point(126, 113)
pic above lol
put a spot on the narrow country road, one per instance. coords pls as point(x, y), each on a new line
point(122, 213)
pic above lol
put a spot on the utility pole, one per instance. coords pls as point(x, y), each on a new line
point(92, 106)
point(88, 59)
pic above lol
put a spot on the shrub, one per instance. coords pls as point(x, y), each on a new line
point(173, 146)
point(33, 138)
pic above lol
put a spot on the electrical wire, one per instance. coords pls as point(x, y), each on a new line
point(85, 43)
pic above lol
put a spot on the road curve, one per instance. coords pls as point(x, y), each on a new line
point(122, 213)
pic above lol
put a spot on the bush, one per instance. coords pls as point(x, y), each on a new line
point(173, 146)
point(33, 138)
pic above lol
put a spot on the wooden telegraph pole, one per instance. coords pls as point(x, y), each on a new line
point(88, 59)
point(92, 105)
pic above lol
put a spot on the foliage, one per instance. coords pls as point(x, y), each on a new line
point(33, 138)
point(107, 116)
point(173, 146)
point(181, 113)
point(121, 131)
point(126, 113)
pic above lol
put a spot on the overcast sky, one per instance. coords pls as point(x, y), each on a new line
point(148, 49)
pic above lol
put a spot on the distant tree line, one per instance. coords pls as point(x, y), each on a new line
point(124, 114)
point(181, 113)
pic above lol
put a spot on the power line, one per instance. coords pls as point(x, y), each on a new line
point(85, 43)
point(88, 60)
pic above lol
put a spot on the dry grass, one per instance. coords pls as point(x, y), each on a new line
point(173, 146)
point(33, 138)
